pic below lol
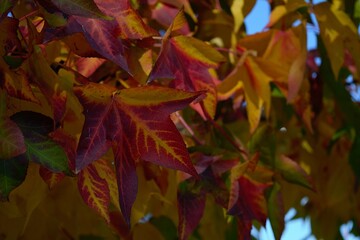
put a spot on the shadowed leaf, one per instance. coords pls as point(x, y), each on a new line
point(12, 174)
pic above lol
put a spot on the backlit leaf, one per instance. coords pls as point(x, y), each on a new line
point(276, 210)
point(251, 203)
point(338, 33)
point(102, 36)
point(293, 173)
point(12, 174)
point(94, 190)
point(187, 60)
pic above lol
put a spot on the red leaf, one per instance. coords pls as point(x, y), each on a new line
point(136, 121)
point(94, 190)
point(131, 25)
point(187, 60)
point(127, 180)
point(107, 172)
point(49, 177)
point(250, 204)
point(102, 35)
point(191, 208)
point(11, 139)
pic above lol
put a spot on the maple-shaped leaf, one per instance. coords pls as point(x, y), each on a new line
point(94, 190)
point(250, 203)
point(137, 124)
point(105, 37)
point(131, 25)
point(12, 174)
point(187, 60)
point(191, 207)
point(102, 36)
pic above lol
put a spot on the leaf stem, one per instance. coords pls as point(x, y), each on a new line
point(188, 128)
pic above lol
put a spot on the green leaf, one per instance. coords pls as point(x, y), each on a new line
point(12, 174)
point(41, 149)
point(84, 8)
point(292, 172)
point(276, 210)
point(263, 141)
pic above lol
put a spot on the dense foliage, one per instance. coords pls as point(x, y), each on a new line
point(158, 119)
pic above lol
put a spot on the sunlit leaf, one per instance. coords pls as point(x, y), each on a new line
point(187, 60)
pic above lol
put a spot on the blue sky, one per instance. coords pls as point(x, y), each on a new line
point(296, 229)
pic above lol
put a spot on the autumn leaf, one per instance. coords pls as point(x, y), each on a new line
point(276, 210)
point(51, 178)
point(292, 172)
point(40, 148)
point(136, 122)
point(84, 8)
point(131, 25)
point(11, 138)
point(12, 174)
point(191, 208)
point(187, 60)
point(53, 90)
point(250, 204)
point(105, 37)
point(94, 190)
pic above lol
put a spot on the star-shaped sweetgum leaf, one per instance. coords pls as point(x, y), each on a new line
point(187, 60)
point(107, 37)
point(136, 123)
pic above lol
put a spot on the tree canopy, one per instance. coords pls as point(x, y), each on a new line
point(160, 119)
